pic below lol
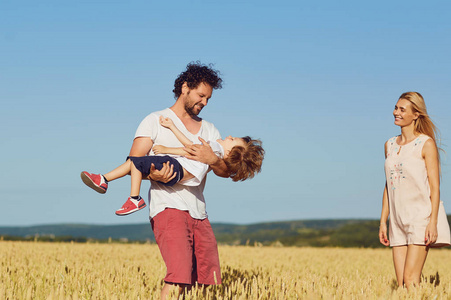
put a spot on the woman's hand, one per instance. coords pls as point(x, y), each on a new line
point(431, 234)
point(383, 238)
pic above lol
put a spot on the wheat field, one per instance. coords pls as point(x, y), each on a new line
point(34, 270)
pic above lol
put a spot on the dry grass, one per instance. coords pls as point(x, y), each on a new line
point(127, 271)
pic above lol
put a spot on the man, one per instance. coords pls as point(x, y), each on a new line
point(178, 217)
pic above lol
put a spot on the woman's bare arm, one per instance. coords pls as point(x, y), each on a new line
point(383, 236)
point(430, 156)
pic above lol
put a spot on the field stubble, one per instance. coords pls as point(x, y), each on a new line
point(131, 271)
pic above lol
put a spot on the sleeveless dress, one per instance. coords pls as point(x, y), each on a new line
point(409, 195)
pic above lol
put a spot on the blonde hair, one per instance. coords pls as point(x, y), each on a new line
point(424, 123)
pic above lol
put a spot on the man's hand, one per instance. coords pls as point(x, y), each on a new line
point(166, 173)
point(205, 154)
point(202, 153)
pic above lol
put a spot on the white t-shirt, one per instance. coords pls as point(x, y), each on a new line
point(178, 196)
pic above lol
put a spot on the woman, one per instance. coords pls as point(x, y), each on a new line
point(412, 191)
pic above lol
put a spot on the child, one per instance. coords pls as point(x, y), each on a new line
point(243, 157)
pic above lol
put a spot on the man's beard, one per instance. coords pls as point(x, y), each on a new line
point(191, 110)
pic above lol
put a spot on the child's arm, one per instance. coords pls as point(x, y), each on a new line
point(160, 149)
point(167, 123)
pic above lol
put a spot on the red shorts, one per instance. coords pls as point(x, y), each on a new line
point(188, 247)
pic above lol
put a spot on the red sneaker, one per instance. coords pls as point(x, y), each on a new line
point(94, 181)
point(130, 206)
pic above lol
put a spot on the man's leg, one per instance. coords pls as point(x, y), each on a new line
point(169, 288)
point(173, 231)
point(208, 271)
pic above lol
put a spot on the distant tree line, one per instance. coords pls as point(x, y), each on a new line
point(65, 239)
point(313, 233)
point(44, 238)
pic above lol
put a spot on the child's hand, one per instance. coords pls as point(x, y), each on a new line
point(166, 122)
point(159, 149)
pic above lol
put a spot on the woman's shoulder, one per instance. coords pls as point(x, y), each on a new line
point(389, 145)
point(423, 138)
point(426, 142)
point(391, 140)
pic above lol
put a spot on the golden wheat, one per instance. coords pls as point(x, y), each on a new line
point(131, 271)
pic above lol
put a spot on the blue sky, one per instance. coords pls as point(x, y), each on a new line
point(316, 81)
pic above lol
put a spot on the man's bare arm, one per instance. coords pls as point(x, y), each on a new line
point(220, 168)
point(140, 147)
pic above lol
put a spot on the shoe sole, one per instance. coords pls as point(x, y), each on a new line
point(130, 212)
point(91, 184)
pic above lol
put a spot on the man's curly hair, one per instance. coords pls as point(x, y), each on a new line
point(195, 74)
point(245, 162)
